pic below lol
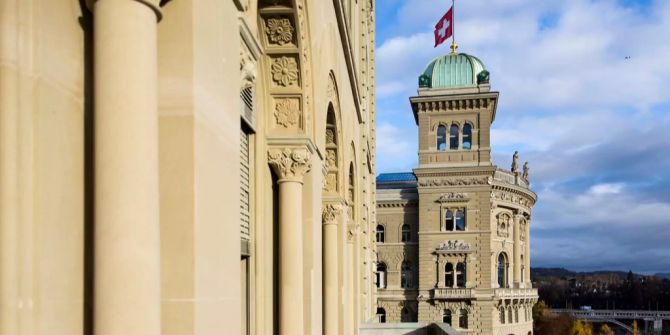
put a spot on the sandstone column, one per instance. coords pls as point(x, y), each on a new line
point(127, 245)
point(527, 258)
point(440, 271)
point(349, 273)
point(330, 274)
point(454, 275)
point(517, 251)
point(290, 165)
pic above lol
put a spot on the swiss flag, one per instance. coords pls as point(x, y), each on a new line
point(444, 28)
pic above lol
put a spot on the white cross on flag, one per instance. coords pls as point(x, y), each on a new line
point(444, 28)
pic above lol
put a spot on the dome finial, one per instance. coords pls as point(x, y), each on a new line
point(454, 48)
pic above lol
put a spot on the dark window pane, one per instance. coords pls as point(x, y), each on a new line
point(442, 138)
point(467, 136)
point(453, 137)
point(460, 220)
point(450, 221)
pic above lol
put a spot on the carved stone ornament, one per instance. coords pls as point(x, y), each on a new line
point(289, 163)
point(331, 183)
point(504, 221)
point(279, 30)
point(454, 246)
point(451, 197)
point(287, 112)
point(455, 182)
point(330, 136)
point(330, 212)
point(331, 159)
point(285, 71)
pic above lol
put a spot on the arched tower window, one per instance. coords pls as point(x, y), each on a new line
point(449, 218)
point(332, 155)
point(449, 275)
point(405, 275)
point(463, 319)
point(502, 315)
point(453, 137)
point(509, 315)
point(381, 275)
point(405, 233)
point(442, 138)
point(381, 314)
point(460, 220)
point(467, 136)
point(380, 234)
point(502, 270)
point(446, 317)
point(460, 274)
point(351, 192)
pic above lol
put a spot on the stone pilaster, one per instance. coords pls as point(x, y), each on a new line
point(330, 269)
point(127, 232)
point(290, 165)
point(517, 252)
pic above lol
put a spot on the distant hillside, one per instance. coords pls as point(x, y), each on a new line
point(663, 275)
point(565, 273)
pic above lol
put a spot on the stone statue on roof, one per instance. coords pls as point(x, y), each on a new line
point(515, 162)
point(525, 171)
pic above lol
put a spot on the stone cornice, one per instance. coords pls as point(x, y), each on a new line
point(526, 193)
point(431, 172)
point(477, 101)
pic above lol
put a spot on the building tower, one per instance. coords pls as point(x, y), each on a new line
point(462, 256)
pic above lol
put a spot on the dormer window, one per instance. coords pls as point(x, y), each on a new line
point(442, 138)
point(453, 137)
point(467, 136)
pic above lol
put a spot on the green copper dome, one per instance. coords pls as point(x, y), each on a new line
point(454, 71)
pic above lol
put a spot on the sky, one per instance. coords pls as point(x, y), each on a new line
point(585, 99)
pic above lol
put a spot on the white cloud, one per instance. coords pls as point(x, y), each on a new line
point(606, 188)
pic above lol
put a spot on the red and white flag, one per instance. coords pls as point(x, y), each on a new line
point(444, 28)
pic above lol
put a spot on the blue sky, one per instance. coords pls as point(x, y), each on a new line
point(594, 125)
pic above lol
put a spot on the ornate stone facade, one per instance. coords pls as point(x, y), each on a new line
point(467, 262)
point(163, 173)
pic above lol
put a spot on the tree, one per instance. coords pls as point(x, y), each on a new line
point(605, 330)
point(581, 328)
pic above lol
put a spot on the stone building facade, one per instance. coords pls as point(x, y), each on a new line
point(453, 236)
point(186, 166)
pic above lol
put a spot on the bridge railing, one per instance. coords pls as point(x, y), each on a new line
point(615, 314)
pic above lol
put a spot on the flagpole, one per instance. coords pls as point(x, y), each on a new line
point(454, 46)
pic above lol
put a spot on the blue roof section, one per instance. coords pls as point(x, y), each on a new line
point(401, 177)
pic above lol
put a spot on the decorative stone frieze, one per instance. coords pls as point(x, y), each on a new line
point(290, 164)
point(453, 246)
point(455, 182)
point(279, 30)
point(453, 197)
point(287, 113)
point(285, 71)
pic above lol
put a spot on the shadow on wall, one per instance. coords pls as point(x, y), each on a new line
point(407, 328)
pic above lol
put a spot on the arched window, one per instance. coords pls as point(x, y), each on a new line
point(502, 270)
point(453, 137)
point(467, 136)
point(460, 275)
point(446, 317)
point(463, 319)
point(516, 315)
point(442, 138)
point(460, 220)
point(381, 275)
point(404, 315)
point(405, 275)
point(502, 315)
point(523, 270)
point(509, 315)
point(449, 218)
point(449, 275)
point(405, 233)
point(381, 315)
point(380, 234)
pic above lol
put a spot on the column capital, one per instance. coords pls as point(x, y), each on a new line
point(329, 214)
point(290, 164)
point(154, 5)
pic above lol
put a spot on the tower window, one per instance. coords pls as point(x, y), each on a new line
point(467, 136)
point(381, 275)
point(446, 317)
point(449, 275)
point(405, 234)
point(460, 220)
point(453, 137)
point(380, 234)
point(381, 314)
point(441, 138)
point(502, 271)
point(449, 226)
point(460, 275)
point(405, 275)
point(463, 319)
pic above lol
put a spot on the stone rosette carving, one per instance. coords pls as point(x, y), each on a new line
point(279, 30)
point(329, 213)
point(454, 246)
point(291, 164)
point(285, 71)
point(451, 197)
point(287, 112)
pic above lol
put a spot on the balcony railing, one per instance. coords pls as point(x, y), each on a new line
point(452, 293)
point(508, 177)
point(515, 293)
